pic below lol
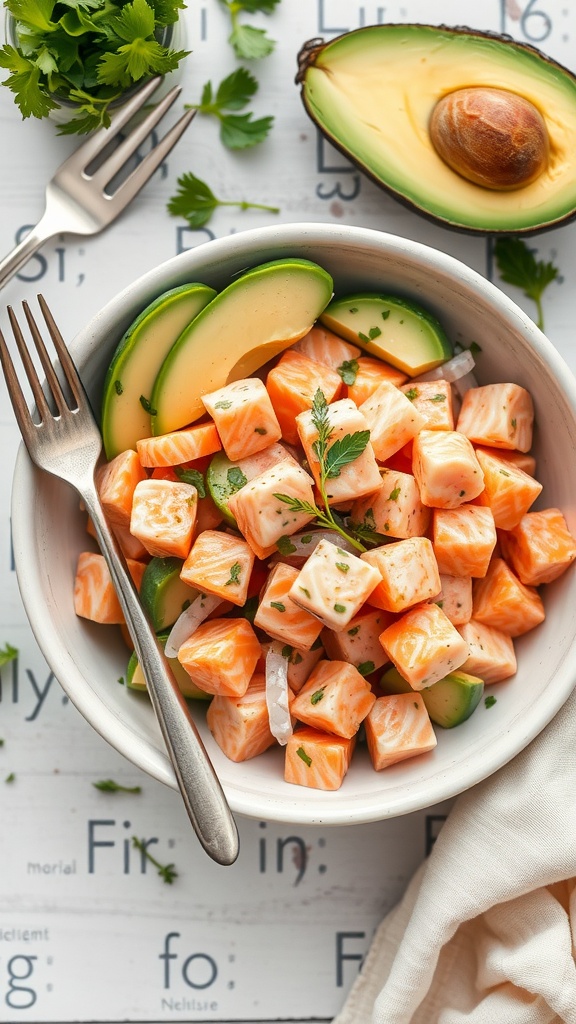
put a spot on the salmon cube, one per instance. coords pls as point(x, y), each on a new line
point(409, 573)
point(244, 417)
point(221, 564)
point(179, 446)
point(433, 398)
point(240, 725)
point(221, 655)
point(522, 460)
point(317, 759)
point(163, 516)
point(502, 601)
point(363, 379)
point(94, 595)
point(325, 347)
point(392, 419)
point(130, 546)
point(455, 598)
point(446, 469)
point(491, 654)
point(508, 490)
point(300, 662)
point(277, 614)
point(263, 518)
point(116, 482)
point(359, 477)
point(398, 727)
point(292, 384)
point(540, 548)
point(498, 415)
point(395, 509)
point(424, 645)
point(335, 699)
point(464, 539)
point(359, 644)
point(333, 585)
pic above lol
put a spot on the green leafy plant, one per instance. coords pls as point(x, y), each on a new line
point(237, 131)
point(249, 43)
point(85, 52)
point(517, 265)
point(331, 458)
point(196, 202)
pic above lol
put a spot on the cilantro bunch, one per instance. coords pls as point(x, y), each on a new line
point(85, 52)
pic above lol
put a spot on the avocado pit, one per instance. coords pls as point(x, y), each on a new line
point(492, 137)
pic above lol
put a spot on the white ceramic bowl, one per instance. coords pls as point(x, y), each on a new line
point(88, 659)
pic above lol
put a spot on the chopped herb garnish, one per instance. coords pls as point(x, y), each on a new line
point(235, 571)
point(8, 654)
point(394, 494)
point(437, 398)
point(236, 478)
point(223, 403)
point(285, 545)
point(109, 786)
point(296, 658)
point(286, 651)
point(348, 371)
point(513, 424)
point(353, 309)
point(374, 332)
point(317, 695)
point(504, 472)
point(304, 756)
point(118, 387)
point(166, 871)
point(366, 668)
point(412, 393)
point(192, 476)
point(489, 701)
point(146, 406)
point(260, 430)
point(385, 314)
point(10, 777)
point(305, 591)
point(340, 608)
point(237, 131)
point(278, 606)
point(306, 538)
point(353, 631)
point(363, 337)
point(343, 566)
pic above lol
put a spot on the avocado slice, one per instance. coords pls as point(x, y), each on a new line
point(163, 594)
point(449, 702)
point(135, 676)
point(136, 361)
point(390, 328)
point(372, 92)
point(255, 318)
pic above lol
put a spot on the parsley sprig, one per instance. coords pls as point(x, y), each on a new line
point(166, 871)
point(8, 654)
point(85, 51)
point(517, 265)
point(331, 458)
point(237, 131)
point(110, 786)
point(196, 202)
point(249, 43)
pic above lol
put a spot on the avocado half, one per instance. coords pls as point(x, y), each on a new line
point(371, 92)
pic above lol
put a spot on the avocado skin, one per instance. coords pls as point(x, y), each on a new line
point(317, 49)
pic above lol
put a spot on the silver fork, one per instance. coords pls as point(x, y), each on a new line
point(68, 445)
point(77, 199)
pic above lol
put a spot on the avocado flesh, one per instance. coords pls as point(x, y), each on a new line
point(135, 677)
point(449, 702)
point(163, 594)
point(389, 328)
point(372, 92)
point(255, 318)
point(136, 362)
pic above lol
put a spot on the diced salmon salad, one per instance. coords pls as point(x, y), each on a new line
point(335, 554)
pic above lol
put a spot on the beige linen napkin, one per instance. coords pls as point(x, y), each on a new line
point(486, 931)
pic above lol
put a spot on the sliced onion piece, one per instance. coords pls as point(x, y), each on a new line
point(188, 622)
point(452, 370)
point(277, 696)
point(300, 545)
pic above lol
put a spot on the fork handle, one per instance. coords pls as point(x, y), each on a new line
point(202, 793)
point(25, 249)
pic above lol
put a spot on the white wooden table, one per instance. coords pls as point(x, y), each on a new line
point(88, 931)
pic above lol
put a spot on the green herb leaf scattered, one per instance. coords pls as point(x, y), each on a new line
point(348, 371)
point(195, 201)
point(192, 476)
point(8, 654)
point(518, 266)
point(109, 786)
point(166, 871)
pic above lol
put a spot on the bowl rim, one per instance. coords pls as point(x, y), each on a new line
point(442, 785)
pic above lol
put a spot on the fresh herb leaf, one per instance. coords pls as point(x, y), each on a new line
point(8, 654)
point(144, 402)
point(237, 131)
point(166, 871)
point(489, 701)
point(518, 266)
point(345, 450)
point(235, 571)
point(340, 608)
point(278, 606)
point(196, 202)
point(317, 695)
point(249, 43)
point(10, 777)
point(109, 786)
point(343, 566)
point(348, 371)
point(366, 668)
point(192, 476)
point(236, 478)
point(304, 756)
